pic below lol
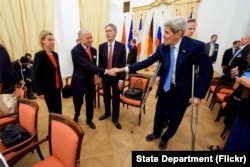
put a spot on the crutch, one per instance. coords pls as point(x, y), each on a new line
point(151, 82)
point(194, 113)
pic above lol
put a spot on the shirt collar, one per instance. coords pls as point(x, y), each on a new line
point(177, 45)
point(112, 43)
point(242, 47)
point(85, 47)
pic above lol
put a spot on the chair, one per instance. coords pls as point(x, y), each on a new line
point(27, 118)
point(11, 118)
point(64, 139)
point(20, 91)
point(99, 92)
point(223, 104)
point(66, 90)
point(217, 82)
point(145, 90)
point(6, 119)
point(221, 92)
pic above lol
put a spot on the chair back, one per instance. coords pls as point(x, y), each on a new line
point(27, 118)
point(20, 91)
point(65, 139)
point(235, 85)
point(139, 81)
point(27, 113)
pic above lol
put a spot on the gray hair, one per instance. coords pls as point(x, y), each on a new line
point(79, 34)
point(112, 25)
point(177, 23)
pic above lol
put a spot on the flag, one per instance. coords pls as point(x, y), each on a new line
point(191, 13)
point(139, 38)
point(159, 34)
point(149, 42)
point(158, 37)
point(130, 37)
point(124, 34)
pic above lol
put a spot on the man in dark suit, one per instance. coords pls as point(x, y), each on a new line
point(24, 74)
point(212, 48)
point(7, 76)
point(239, 56)
point(84, 62)
point(227, 56)
point(132, 55)
point(174, 90)
point(112, 54)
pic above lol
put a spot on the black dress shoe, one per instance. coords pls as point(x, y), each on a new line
point(91, 124)
point(151, 137)
point(162, 145)
point(104, 117)
point(117, 124)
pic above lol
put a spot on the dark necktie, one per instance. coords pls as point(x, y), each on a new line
point(110, 57)
point(167, 83)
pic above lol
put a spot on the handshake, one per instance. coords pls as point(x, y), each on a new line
point(114, 71)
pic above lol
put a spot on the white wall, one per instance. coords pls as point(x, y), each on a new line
point(67, 26)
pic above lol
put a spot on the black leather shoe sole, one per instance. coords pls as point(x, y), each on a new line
point(91, 125)
point(151, 137)
point(117, 125)
point(162, 145)
point(103, 117)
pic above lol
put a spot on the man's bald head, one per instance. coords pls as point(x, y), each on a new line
point(85, 37)
point(245, 40)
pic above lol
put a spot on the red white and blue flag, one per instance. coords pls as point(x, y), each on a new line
point(139, 38)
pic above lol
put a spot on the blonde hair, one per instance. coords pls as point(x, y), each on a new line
point(43, 35)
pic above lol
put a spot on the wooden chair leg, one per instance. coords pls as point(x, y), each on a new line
point(208, 95)
point(139, 122)
point(212, 103)
point(39, 153)
point(219, 115)
point(223, 132)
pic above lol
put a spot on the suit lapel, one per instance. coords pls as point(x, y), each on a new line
point(84, 52)
point(105, 52)
point(92, 55)
point(182, 54)
point(114, 51)
point(48, 59)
